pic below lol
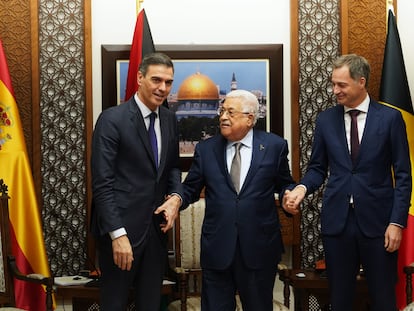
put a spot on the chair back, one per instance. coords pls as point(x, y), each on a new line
point(6, 282)
point(188, 235)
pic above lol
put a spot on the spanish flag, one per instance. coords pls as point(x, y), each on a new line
point(395, 92)
point(141, 44)
point(25, 223)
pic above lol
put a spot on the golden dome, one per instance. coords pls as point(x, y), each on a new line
point(197, 86)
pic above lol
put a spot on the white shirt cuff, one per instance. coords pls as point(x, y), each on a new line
point(117, 233)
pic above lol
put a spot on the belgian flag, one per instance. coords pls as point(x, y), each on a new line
point(395, 92)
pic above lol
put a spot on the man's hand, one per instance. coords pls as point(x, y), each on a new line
point(292, 199)
point(169, 209)
point(393, 236)
point(122, 252)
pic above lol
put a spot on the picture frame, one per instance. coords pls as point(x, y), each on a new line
point(271, 54)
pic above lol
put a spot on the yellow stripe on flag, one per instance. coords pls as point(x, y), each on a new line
point(409, 124)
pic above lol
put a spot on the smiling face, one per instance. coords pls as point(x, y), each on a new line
point(155, 86)
point(348, 92)
point(235, 121)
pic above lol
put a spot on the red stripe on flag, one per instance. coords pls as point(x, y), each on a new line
point(4, 70)
point(405, 257)
point(34, 296)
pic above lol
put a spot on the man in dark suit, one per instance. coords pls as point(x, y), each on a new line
point(241, 242)
point(367, 196)
point(130, 181)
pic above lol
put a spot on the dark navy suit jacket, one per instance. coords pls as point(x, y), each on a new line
point(250, 216)
point(379, 198)
point(127, 187)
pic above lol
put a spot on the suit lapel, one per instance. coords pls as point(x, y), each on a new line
point(137, 119)
point(164, 140)
point(339, 132)
point(372, 123)
point(259, 150)
point(220, 155)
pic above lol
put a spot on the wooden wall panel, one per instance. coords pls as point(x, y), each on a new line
point(367, 30)
point(15, 33)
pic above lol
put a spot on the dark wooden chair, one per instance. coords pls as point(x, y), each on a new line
point(409, 270)
point(8, 265)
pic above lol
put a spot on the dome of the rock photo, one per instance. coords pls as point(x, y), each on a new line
point(196, 87)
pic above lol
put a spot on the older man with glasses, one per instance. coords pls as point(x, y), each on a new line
point(241, 169)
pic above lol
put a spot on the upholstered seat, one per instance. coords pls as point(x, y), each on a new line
point(410, 307)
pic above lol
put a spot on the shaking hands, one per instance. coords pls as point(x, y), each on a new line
point(293, 198)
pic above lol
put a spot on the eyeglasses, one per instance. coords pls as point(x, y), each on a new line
point(231, 112)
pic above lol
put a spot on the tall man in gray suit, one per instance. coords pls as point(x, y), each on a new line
point(135, 166)
point(361, 146)
point(241, 243)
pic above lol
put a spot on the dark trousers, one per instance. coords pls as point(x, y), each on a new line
point(255, 287)
point(145, 277)
point(345, 253)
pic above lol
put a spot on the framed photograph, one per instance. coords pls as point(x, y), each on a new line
point(203, 75)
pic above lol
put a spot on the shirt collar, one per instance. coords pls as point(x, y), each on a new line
point(363, 107)
point(247, 140)
point(144, 109)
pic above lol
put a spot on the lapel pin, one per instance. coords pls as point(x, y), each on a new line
point(261, 147)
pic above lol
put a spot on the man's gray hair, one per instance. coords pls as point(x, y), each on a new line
point(248, 101)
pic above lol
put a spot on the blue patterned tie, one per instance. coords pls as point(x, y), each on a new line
point(153, 137)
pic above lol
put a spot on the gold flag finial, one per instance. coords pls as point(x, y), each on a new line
point(139, 5)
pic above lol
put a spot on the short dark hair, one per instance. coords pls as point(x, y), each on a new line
point(358, 66)
point(155, 58)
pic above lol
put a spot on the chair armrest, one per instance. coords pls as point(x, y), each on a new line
point(33, 278)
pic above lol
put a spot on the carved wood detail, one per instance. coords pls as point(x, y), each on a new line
point(367, 23)
point(15, 35)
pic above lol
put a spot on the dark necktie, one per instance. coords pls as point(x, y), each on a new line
point(235, 167)
point(153, 137)
point(354, 134)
